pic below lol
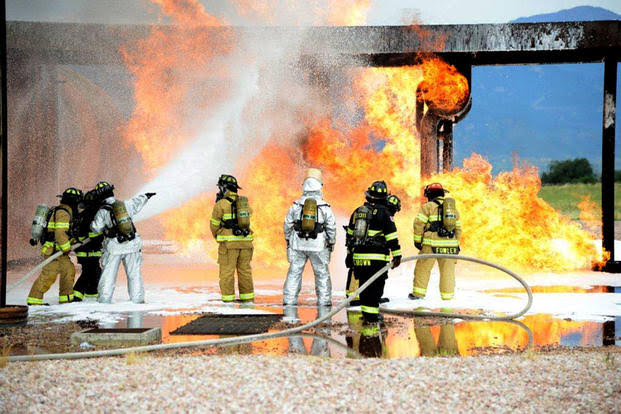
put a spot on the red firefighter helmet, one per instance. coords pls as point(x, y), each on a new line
point(434, 190)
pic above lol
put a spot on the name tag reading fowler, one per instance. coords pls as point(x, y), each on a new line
point(445, 250)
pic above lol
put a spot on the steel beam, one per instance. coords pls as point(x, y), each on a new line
point(446, 135)
point(480, 44)
point(608, 162)
point(4, 158)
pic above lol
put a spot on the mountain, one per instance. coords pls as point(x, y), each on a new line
point(580, 13)
point(538, 112)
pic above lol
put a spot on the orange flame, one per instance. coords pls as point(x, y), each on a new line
point(169, 68)
point(504, 219)
point(444, 88)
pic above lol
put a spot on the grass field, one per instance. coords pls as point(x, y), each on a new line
point(566, 197)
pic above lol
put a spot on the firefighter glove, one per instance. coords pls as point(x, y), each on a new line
point(149, 195)
point(418, 245)
point(396, 261)
point(349, 261)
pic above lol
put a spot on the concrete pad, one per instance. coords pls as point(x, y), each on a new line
point(118, 337)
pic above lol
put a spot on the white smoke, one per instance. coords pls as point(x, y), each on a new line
point(267, 99)
point(193, 171)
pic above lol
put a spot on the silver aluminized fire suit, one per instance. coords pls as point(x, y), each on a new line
point(114, 252)
point(316, 250)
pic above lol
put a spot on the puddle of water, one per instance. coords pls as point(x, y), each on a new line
point(403, 336)
point(559, 289)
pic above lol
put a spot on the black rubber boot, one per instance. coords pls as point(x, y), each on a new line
point(413, 297)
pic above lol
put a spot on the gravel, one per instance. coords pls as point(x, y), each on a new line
point(573, 381)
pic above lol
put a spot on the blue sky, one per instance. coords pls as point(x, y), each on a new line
point(382, 11)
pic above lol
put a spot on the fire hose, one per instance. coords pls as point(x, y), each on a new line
point(40, 266)
point(298, 329)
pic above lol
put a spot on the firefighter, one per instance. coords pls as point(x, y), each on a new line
point(310, 234)
point(393, 204)
point(59, 237)
point(432, 236)
point(89, 254)
point(372, 239)
point(230, 226)
point(121, 244)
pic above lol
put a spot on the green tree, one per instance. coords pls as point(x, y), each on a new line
point(617, 176)
point(578, 170)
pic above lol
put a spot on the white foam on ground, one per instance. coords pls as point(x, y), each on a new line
point(472, 283)
point(159, 301)
point(470, 294)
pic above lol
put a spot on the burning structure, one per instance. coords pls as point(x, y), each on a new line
point(266, 102)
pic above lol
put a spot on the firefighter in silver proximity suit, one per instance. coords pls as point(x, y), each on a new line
point(116, 248)
point(316, 246)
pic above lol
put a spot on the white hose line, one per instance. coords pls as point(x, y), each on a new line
point(510, 316)
point(526, 328)
point(270, 335)
point(40, 266)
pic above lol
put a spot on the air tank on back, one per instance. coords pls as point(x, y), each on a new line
point(39, 224)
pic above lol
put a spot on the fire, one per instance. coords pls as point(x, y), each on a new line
point(444, 89)
point(590, 214)
point(331, 12)
point(169, 68)
point(506, 222)
point(347, 12)
point(178, 70)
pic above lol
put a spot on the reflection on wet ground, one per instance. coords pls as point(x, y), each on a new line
point(559, 289)
point(399, 336)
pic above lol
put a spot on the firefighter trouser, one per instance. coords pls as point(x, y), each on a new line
point(86, 285)
point(229, 261)
point(447, 344)
point(107, 282)
point(62, 266)
point(352, 284)
point(422, 271)
point(320, 262)
point(370, 297)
